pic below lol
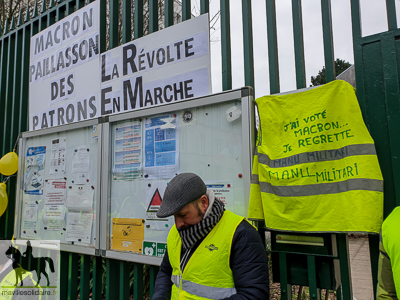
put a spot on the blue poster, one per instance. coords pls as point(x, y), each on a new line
point(161, 147)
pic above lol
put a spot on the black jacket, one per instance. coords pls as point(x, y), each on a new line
point(248, 262)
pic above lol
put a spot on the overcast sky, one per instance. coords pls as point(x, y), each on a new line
point(373, 21)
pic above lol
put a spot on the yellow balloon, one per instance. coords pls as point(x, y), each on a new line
point(3, 198)
point(9, 164)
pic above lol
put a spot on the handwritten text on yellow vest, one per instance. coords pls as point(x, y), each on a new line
point(315, 168)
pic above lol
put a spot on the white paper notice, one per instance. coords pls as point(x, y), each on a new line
point(161, 146)
point(54, 217)
point(224, 192)
point(80, 165)
point(80, 198)
point(55, 192)
point(29, 219)
point(79, 227)
point(58, 151)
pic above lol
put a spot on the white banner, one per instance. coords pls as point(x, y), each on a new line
point(64, 70)
point(161, 68)
point(70, 81)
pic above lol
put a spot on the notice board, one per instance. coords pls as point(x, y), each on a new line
point(211, 136)
point(58, 186)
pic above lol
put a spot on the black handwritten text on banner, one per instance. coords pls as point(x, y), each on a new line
point(70, 81)
point(64, 68)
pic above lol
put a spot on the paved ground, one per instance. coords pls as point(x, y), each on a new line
point(360, 268)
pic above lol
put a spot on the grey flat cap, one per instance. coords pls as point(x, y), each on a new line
point(182, 189)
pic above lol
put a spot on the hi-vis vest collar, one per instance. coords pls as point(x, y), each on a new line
point(315, 167)
point(207, 274)
point(202, 291)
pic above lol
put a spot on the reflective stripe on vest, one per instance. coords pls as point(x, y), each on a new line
point(315, 158)
point(204, 291)
point(391, 244)
point(207, 274)
point(323, 188)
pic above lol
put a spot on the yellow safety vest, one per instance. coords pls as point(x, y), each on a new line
point(207, 274)
point(315, 167)
point(7, 286)
point(391, 244)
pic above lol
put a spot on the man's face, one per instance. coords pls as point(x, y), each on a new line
point(191, 214)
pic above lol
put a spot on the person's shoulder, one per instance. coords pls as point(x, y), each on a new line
point(247, 246)
point(245, 232)
point(245, 225)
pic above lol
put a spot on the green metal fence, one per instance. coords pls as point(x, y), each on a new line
point(377, 74)
point(377, 63)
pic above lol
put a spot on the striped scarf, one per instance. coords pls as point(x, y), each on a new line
point(196, 232)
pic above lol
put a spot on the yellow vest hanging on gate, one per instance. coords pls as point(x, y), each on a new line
point(315, 167)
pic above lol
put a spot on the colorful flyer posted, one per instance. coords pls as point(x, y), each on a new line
point(128, 130)
point(161, 146)
point(127, 163)
point(131, 144)
point(34, 170)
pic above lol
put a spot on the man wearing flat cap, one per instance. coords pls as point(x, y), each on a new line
point(212, 253)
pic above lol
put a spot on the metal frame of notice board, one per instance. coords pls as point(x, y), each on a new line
point(247, 132)
point(92, 248)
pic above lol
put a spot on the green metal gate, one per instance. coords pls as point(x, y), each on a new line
point(377, 74)
point(377, 63)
